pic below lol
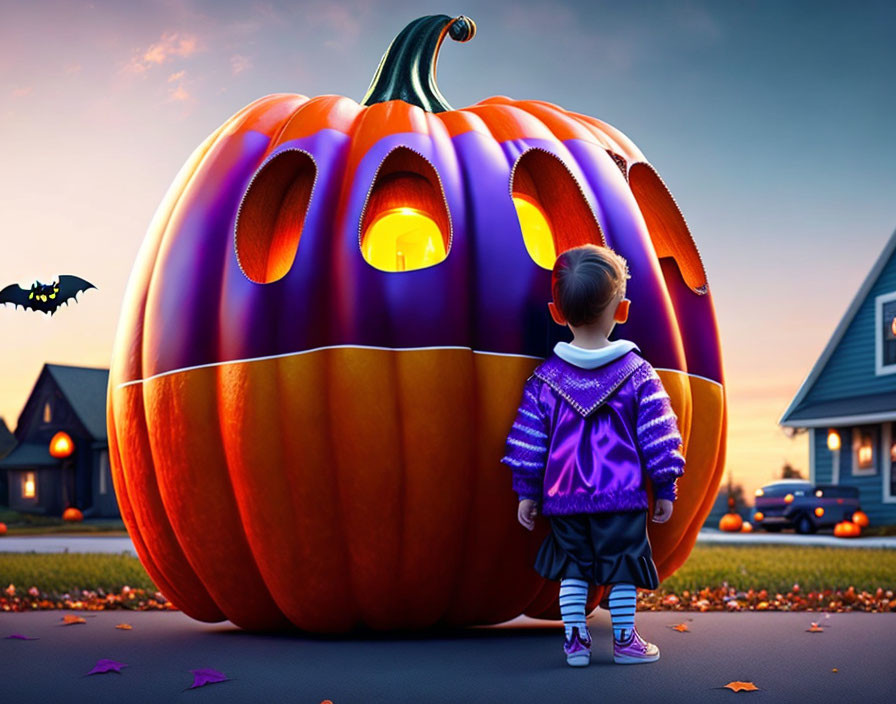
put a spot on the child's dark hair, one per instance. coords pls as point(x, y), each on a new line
point(585, 280)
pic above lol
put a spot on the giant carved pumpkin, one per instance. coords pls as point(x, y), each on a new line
point(325, 338)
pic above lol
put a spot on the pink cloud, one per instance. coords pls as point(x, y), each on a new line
point(172, 44)
point(21, 91)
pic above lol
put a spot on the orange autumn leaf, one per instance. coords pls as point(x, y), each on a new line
point(680, 627)
point(815, 628)
point(738, 686)
point(70, 619)
point(124, 626)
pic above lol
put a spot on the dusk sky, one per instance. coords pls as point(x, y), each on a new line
point(772, 123)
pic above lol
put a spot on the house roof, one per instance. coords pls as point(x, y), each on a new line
point(7, 439)
point(29, 454)
point(874, 408)
point(85, 389)
point(788, 418)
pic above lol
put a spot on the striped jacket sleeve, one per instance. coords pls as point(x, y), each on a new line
point(658, 436)
point(526, 449)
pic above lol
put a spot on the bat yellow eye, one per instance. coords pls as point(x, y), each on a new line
point(52, 295)
point(43, 298)
point(30, 296)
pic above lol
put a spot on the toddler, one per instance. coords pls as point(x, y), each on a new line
point(594, 417)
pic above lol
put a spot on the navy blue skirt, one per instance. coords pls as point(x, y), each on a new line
point(600, 548)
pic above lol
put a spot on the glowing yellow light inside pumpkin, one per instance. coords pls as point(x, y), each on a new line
point(536, 232)
point(833, 440)
point(819, 511)
point(403, 239)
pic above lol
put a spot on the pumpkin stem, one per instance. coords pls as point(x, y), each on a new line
point(407, 70)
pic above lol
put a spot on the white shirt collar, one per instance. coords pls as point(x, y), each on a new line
point(591, 359)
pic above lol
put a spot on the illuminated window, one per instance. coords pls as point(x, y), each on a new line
point(405, 224)
point(864, 440)
point(48, 413)
point(29, 486)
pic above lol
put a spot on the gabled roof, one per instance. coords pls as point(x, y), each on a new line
point(7, 439)
point(839, 332)
point(29, 455)
point(85, 389)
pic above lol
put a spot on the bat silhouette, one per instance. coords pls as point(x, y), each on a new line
point(45, 297)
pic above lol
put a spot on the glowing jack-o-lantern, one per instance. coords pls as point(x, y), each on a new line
point(327, 332)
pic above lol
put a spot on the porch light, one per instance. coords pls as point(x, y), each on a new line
point(819, 511)
point(819, 493)
point(61, 445)
point(760, 492)
point(833, 440)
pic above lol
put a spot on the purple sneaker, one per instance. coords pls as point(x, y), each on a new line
point(634, 650)
point(578, 649)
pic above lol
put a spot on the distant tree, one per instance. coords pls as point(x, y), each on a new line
point(790, 472)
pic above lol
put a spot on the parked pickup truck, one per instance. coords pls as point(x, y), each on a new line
point(803, 506)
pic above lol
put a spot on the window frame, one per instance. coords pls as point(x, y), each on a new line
point(879, 367)
point(875, 451)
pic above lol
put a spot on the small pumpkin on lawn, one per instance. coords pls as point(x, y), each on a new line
point(860, 518)
point(847, 529)
point(326, 335)
point(72, 515)
point(731, 523)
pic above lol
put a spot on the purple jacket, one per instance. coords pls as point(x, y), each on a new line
point(583, 438)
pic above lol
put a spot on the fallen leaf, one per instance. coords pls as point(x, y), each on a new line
point(106, 666)
point(71, 619)
point(681, 627)
point(19, 636)
point(207, 676)
point(815, 628)
point(124, 626)
point(738, 686)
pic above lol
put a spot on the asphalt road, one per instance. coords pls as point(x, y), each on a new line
point(517, 662)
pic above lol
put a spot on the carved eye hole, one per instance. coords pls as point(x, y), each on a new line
point(405, 225)
point(669, 232)
point(272, 214)
point(553, 213)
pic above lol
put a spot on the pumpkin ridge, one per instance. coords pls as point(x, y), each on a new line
point(169, 203)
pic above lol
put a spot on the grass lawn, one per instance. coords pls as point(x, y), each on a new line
point(18, 523)
point(714, 577)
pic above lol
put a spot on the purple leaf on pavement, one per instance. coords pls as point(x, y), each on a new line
point(106, 666)
point(19, 636)
point(207, 676)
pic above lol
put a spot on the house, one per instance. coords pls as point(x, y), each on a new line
point(7, 442)
point(73, 400)
point(848, 401)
